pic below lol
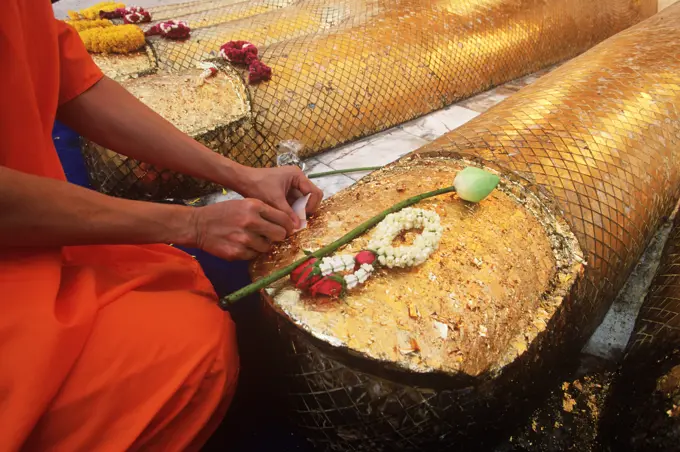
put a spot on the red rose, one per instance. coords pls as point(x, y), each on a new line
point(241, 52)
point(306, 275)
point(181, 32)
point(258, 72)
point(115, 14)
point(295, 274)
point(364, 257)
point(331, 286)
point(137, 17)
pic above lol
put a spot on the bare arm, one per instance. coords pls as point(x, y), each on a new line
point(112, 117)
point(42, 212)
point(38, 211)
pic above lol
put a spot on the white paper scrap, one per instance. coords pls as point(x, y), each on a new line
point(300, 209)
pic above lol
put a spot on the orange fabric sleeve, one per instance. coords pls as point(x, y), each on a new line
point(78, 72)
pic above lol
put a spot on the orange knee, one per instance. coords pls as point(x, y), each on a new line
point(157, 373)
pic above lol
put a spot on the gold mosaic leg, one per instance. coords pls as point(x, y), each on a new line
point(600, 136)
point(644, 408)
point(351, 68)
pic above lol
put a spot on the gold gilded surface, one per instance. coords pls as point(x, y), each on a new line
point(600, 137)
point(201, 110)
point(344, 69)
point(194, 13)
point(644, 411)
point(467, 308)
point(194, 108)
point(125, 67)
point(282, 24)
point(601, 134)
point(382, 63)
point(658, 324)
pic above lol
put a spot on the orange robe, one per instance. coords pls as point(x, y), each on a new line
point(102, 348)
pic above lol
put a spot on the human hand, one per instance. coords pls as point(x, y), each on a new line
point(239, 230)
point(280, 187)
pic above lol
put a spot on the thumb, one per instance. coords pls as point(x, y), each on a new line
point(283, 205)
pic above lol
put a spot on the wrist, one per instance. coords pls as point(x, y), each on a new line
point(234, 176)
point(181, 223)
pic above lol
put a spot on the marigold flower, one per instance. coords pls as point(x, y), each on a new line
point(118, 39)
point(82, 25)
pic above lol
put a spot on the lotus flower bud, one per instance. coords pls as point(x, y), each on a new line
point(474, 184)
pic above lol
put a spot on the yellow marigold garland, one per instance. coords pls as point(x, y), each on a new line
point(82, 25)
point(92, 12)
point(118, 39)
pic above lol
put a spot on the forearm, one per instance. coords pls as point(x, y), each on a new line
point(112, 117)
point(43, 212)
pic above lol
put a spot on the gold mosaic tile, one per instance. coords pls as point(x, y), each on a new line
point(600, 138)
point(350, 68)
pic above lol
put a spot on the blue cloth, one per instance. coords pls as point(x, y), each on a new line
point(67, 143)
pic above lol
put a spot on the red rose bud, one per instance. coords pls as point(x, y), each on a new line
point(137, 17)
point(302, 269)
point(364, 257)
point(331, 286)
point(181, 32)
point(170, 30)
point(239, 52)
point(115, 14)
point(258, 72)
point(310, 276)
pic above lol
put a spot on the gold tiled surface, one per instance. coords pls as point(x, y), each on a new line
point(344, 69)
point(601, 137)
point(658, 324)
point(644, 412)
point(373, 64)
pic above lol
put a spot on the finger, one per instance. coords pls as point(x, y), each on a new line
point(293, 195)
point(307, 187)
point(282, 204)
point(246, 254)
point(277, 218)
point(256, 242)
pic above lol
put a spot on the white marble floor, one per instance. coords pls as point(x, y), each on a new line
point(385, 147)
point(377, 150)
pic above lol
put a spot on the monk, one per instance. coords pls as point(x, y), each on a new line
point(111, 339)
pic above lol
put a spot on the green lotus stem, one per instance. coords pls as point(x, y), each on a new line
point(343, 171)
point(328, 249)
